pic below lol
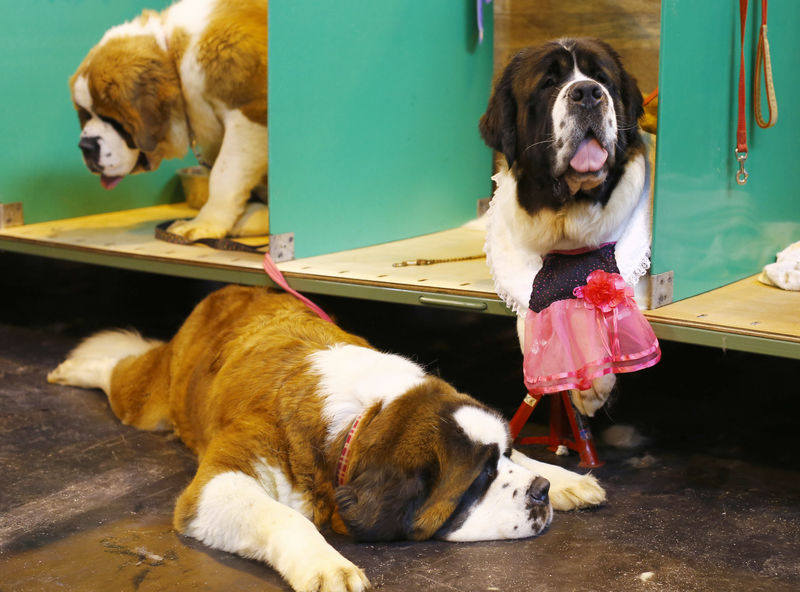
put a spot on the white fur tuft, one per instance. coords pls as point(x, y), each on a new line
point(145, 25)
point(482, 426)
point(91, 364)
point(353, 378)
point(80, 92)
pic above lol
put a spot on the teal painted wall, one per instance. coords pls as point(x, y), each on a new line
point(42, 43)
point(373, 117)
point(374, 109)
point(708, 229)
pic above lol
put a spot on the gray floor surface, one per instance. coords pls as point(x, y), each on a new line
point(710, 500)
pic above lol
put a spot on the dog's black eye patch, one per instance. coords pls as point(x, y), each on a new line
point(118, 127)
point(490, 470)
point(555, 69)
point(548, 82)
point(472, 495)
point(83, 115)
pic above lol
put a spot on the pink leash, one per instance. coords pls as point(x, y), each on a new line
point(276, 276)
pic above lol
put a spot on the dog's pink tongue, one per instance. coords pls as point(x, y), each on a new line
point(590, 156)
point(109, 182)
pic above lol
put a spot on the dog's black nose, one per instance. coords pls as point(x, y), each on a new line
point(538, 490)
point(90, 146)
point(586, 94)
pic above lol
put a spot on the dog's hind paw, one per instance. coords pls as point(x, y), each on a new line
point(592, 399)
point(572, 491)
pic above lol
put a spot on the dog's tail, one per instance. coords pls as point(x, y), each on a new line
point(93, 362)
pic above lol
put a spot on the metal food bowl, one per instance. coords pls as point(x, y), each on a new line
point(194, 181)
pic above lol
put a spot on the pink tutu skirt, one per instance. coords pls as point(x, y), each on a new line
point(572, 342)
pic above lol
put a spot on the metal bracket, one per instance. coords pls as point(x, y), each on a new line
point(281, 246)
point(661, 288)
point(11, 214)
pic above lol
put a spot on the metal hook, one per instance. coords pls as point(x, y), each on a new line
point(741, 174)
point(413, 262)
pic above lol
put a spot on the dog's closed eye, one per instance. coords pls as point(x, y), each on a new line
point(120, 129)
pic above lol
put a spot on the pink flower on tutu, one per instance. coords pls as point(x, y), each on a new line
point(604, 290)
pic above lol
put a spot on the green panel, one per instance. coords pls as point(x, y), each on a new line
point(708, 229)
point(42, 44)
point(373, 112)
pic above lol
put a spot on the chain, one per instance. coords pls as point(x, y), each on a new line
point(411, 262)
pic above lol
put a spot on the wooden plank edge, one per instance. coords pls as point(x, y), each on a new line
point(417, 286)
point(726, 340)
point(694, 333)
point(133, 262)
point(727, 329)
point(255, 277)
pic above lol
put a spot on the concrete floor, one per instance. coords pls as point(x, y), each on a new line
point(710, 501)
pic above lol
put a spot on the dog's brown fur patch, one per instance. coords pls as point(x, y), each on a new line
point(236, 384)
point(233, 52)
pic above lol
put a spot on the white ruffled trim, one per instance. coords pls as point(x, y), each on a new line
point(514, 255)
point(512, 262)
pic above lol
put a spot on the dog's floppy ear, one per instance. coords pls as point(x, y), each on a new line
point(498, 126)
point(380, 503)
point(133, 81)
point(155, 97)
point(444, 497)
point(632, 97)
point(154, 104)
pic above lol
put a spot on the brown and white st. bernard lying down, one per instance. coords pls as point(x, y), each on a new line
point(298, 424)
point(195, 73)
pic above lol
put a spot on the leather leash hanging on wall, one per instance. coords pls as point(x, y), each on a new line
point(763, 64)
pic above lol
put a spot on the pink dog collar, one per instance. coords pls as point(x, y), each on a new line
point(344, 457)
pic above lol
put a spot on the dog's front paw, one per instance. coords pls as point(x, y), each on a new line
point(571, 491)
point(589, 401)
point(333, 573)
point(568, 490)
point(196, 229)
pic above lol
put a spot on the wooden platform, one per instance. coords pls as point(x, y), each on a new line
point(745, 315)
point(127, 239)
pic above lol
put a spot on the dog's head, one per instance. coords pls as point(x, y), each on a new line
point(437, 464)
point(565, 116)
point(129, 103)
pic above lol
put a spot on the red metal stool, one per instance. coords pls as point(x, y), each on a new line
point(561, 408)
